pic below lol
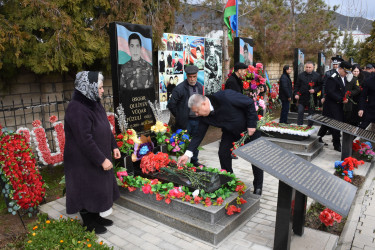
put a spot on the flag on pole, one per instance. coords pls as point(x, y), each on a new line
point(230, 17)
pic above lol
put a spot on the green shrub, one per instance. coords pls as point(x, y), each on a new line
point(60, 234)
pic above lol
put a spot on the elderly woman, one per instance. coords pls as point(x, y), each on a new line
point(90, 182)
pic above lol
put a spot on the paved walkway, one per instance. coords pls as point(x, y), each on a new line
point(134, 231)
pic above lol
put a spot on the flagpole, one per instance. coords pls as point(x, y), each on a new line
point(237, 18)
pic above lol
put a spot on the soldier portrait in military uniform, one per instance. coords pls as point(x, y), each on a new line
point(136, 73)
point(212, 81)
point(199, 61)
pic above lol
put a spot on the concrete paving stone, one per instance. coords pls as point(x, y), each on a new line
point(241, 242)
point(360, 241)
point(62, 201)
point(182, 236)
point(259, 247)
point(268, 212)
point(167, 246)
point(266, 206)
point(118, 231)
point(271, 203)
point(368, 229)
point(117, 241)
point(135, 231)
point(238, 235)
point(119, 223)
point(150, 222)
point(169, 237)
point(151, 238)
point(106, 235)
point(265, 228)
point(250, 224)
point(164, 228)
point(256, 239)
point(151, 229)
point(238, 247)
point(184, 244)
point(261, 221)
point(149, 246)
point(226, 245)
point(369, 247)
point(260, 215)
point(136, 240)
point(138, 224)
point(201, 245)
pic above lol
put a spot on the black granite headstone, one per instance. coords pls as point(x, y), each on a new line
point(300, 174)
point(321, 63)
point(132, 73)
point(298, 63)
point(349, 132)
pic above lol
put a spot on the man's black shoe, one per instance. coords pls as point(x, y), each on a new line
point(337, 148)
point(234, 157)
point(321, 141)
point(258, 191)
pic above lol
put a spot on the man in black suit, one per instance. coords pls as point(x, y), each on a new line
point(234, 113)
point(333, 105)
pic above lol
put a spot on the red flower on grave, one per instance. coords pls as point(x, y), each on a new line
point(147, 189)
point(219, 200)
point(207, 202)
point(129, 132)
point(159, 197)
point(326, 218)
point(188, 198)
point(53, 119)
point(197, 199)
point(131, 189)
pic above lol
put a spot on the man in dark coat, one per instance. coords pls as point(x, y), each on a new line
point(285, 93)
point(308, 83)
point(91, 186)
point(178, 105)
point(234, 82)
point(367, 102)
point(234, 113)
point(333, 105)
point(336, 60)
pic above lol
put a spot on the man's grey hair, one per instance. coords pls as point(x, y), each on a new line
point(196, 100)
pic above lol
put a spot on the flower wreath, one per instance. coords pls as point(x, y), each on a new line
point(23, 183)
point(41, 142)
point(168, 192)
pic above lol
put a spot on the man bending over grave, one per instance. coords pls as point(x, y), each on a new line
point(234, 113)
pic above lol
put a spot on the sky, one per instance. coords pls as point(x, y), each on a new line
point(362, 8)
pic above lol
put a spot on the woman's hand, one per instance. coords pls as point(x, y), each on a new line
point(116, 153)
point(107, 165)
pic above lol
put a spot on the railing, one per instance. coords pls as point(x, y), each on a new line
point(16, 115)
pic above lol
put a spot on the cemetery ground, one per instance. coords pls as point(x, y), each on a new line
point(12, 232)
point(256, 232)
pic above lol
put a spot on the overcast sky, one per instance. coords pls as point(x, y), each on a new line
point(363, 8)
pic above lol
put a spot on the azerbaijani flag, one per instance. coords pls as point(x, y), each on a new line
point(230, 17)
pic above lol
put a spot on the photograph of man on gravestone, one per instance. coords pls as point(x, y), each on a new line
point(248, 55)
point(136, 73)
point(212, 67)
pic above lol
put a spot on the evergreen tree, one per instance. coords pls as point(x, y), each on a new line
point(367, 52)
point(71, 35)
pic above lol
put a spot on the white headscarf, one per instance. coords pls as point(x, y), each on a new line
point(87, 82)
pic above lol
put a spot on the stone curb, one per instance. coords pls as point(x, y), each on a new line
point(348, 233)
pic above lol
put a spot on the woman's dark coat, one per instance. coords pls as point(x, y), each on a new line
point(88, 142)
point(355, 91)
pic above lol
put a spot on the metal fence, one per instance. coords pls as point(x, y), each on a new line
point(21, 114)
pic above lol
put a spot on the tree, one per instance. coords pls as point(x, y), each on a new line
point(367, 52)
point(70, 35)
point(348, 48)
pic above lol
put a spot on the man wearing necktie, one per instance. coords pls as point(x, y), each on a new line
point(334, 100)
point(234, 113)
point(178, 105)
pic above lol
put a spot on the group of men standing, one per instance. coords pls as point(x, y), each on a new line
point(340, 94)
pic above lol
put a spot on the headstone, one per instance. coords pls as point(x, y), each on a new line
point(132, 75)
point(244, 50)
point(300, 174)
point(349, 132)
point(298, 63)
point(298, 178)
point(321, 63)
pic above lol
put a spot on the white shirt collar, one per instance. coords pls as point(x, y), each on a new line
point(211, 107)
